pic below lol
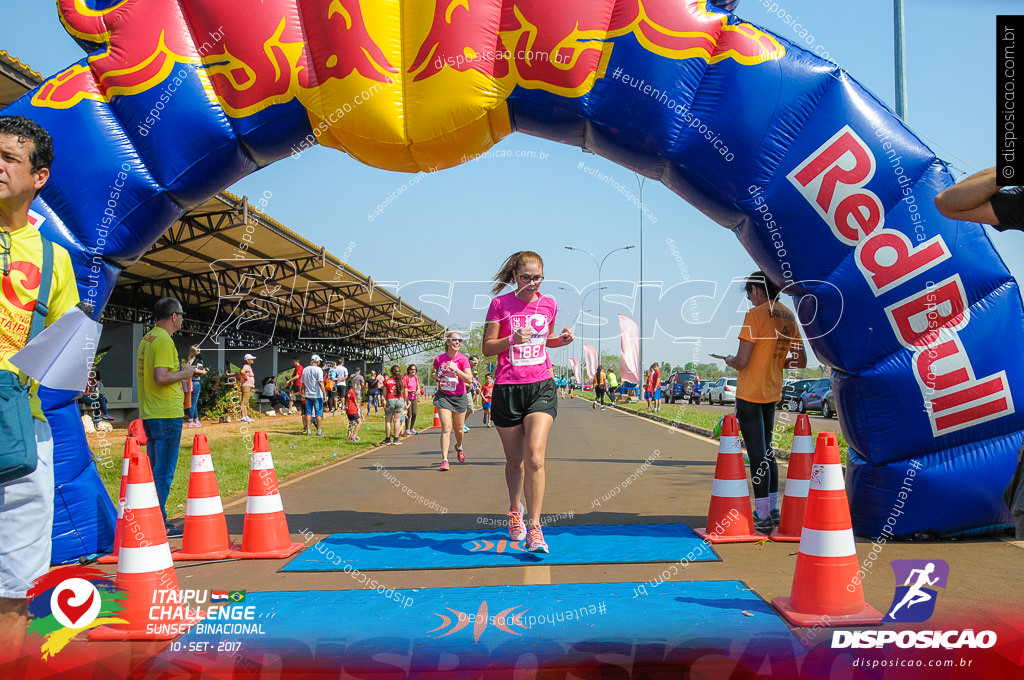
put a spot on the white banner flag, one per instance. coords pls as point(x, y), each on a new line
point(591, 356)
point(574, 363)
point(629, 362)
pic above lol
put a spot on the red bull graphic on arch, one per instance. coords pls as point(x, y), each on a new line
point(829, 192)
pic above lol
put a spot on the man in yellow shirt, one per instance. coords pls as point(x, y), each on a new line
point(26, 503)
point(769, 342)
point(161, 399)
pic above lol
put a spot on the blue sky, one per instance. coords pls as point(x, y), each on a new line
point(472, 216)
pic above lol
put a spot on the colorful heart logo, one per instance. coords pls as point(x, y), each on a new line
point(538, 322)
point(73, 612)
point(75, 603)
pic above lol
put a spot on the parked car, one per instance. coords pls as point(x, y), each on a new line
point(791, 394)
point(828, 404)
point(724, 391)
point(705, 390)
point(813, 396)
point(683, 385)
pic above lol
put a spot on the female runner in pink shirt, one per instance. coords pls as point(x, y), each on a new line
point(412, 391)
point(520, 328)
point(452, 372)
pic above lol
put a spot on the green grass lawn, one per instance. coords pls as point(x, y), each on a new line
point(785, 421)
point(292, 452)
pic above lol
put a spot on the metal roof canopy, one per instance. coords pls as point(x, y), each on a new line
point(244, 277)
point(15, 79)
point(276, 286)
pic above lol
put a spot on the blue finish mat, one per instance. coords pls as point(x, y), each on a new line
point(521, 627)
point(632, 543)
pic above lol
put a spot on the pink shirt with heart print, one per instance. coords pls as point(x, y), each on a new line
point(528, 362)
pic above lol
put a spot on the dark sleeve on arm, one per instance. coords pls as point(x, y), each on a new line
point(1008, 205)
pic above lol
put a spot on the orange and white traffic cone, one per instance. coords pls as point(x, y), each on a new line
point(265, 533)
point(826, 583)
point(144, 567)
point(798, 480)
point(729, 511)
point(131, 446)
point(206, 528)
point(437, 421)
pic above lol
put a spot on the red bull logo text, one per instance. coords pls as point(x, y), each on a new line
point(834, 181)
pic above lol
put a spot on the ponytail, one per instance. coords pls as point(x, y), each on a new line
point(507, 274)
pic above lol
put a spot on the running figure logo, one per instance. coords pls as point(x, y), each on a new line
point(914, 601)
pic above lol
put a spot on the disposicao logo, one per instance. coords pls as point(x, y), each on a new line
point(914, 602)
point(69, 600)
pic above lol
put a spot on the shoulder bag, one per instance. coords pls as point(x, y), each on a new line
point(17, 431)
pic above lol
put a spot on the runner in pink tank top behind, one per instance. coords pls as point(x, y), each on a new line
point(452, 373)
point(519, 331)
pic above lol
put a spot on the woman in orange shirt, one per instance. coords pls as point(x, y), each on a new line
point(769, 342)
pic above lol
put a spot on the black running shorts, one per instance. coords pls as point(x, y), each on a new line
point(512, 403)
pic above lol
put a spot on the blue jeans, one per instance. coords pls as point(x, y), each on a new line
point(193, 410)
point(163, 439)
point(91, 402)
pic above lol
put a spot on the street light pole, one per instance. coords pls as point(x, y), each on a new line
point(583, 302)
point(600, 266)
point(640, 282)
point(900, 58)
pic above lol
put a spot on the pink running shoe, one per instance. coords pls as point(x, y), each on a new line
point(536, 542)
point(462, 454)
point(444, 466)
point(516, 528)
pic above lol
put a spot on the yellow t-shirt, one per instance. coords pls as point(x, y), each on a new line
point(158, 401)
point(772, 328)
point(20, 289)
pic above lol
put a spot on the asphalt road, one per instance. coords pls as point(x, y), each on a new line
point(589, 453)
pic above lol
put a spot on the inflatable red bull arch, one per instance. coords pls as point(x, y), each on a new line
point(830, 193)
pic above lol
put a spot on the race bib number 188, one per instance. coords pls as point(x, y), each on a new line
point(535, 351)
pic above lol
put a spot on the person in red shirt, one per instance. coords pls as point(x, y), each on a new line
point(412, 391)
point(294, 383)
point(486, 393)
point(394, 406)
point(354, 414)
point(655, 387)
